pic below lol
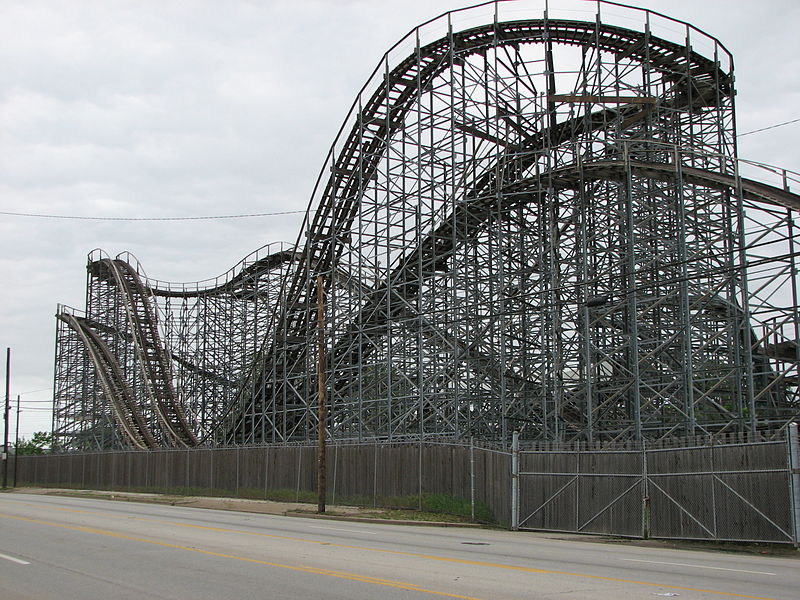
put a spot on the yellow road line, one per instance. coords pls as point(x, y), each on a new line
point(430, 557)
point(317, 571)
point(462, 561)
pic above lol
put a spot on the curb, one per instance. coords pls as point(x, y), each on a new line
point(229, 504)
point(293, 513)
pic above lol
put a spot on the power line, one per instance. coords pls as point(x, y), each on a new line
point(32, 391)
point(770, 127)
point(200, 218)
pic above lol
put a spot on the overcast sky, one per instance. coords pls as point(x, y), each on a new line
point(168, 109)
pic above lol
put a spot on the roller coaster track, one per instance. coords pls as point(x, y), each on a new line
point(571, 176)
point(153, 357)
point(236, 286)
point(115, 388)
point(440, 244)
point(385, 111)
point(187, 364)
point(141, 332)
point(477, 195)
point(372, 320)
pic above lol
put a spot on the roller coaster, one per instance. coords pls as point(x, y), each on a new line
point(527, 222)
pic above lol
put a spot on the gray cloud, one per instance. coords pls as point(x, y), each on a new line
point(177, 108)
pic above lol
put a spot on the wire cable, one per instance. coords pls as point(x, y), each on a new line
point(32, 391)
point(200, 218)
point(770, 127)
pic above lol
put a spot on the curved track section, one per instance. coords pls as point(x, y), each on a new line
point(181, 348)
point(539, 225)
point(238, 284)
point(371, 322)
point(151, 353)
point(386, 110)
point(386, 113)
point(116, 389)
point(484, 192)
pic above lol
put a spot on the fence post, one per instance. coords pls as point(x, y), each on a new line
point(375, 475)
point(472, 477)
point(577, 487)
point(645, 494)
point(335, 466)
point(419, 475)
point(299, 464)
point(515, 481)
point(794, 478)
point(713, 452)
point(267, 456)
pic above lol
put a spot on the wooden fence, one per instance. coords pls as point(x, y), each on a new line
point(721, 492)
point(734, 491)
point(471, 478)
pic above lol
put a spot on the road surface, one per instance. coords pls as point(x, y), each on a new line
point(63, 548)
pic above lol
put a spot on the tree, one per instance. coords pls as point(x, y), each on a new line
point(40, 443)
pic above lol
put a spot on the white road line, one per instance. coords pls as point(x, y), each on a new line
point(338, 529)
point(16, 560)
point(656, 562)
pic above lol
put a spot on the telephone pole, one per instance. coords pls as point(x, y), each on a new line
point(16, 446)
point(5, 417)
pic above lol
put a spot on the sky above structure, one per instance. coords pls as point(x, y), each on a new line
point(181, 109)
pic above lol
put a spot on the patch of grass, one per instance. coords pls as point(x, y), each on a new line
point(354, 500)
point(414, 515)
point(440, 503)
point(430, 504)
point(430, 507)
point(287, 495)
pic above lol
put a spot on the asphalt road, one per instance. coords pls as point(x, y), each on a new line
point(76, 548)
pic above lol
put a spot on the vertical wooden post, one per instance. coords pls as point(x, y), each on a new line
point(515, 481)
point(646, 493)
point(16, 446)
point(5, 418)
point(472, 478)
point(321, 387)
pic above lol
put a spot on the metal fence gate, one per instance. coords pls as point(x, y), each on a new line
point(723, 492)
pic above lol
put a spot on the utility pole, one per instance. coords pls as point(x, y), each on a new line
point(321, 475)
point(5, 418)
point(16, 446)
